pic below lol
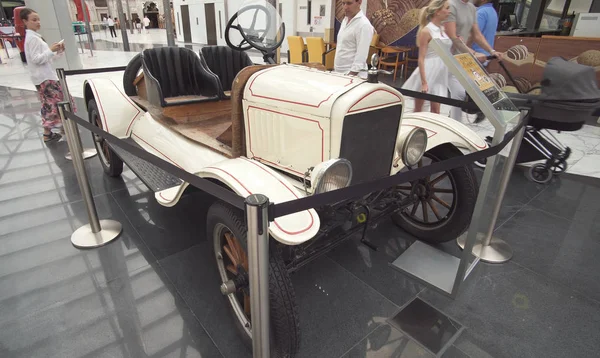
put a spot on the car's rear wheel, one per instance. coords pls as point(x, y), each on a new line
point(111, 163)
point(226, 227)
point(445, 201)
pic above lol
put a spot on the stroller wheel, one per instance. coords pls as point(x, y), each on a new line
point(559, 167)
point(540, 174)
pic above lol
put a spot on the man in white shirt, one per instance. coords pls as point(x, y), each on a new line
point(111, 27)
point(146, 24)
point(353, 41)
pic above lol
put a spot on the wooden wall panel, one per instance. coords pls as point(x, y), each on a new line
point(563, 46)
point(520, 67)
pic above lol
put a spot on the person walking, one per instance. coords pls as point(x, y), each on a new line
point(487, 20)
point(431, 75)
point(147, 24)
point(461, 26)
point(353, 41)
point(39, 62)
point(111, 27)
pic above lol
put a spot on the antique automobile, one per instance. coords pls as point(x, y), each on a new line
point(285, 131)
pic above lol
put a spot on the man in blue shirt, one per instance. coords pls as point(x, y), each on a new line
point(487, 20)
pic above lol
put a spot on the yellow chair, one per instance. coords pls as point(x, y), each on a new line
point(317, 52)
point(297, 49)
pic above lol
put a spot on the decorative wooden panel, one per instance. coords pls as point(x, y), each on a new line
point(520, 63)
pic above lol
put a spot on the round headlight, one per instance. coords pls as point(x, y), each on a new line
point(413, 146)
point(331, 175)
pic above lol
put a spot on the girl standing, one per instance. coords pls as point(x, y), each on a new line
point(431, 75)
point(39, 60)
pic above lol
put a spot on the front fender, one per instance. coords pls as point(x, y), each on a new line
point(117, 111)
point(245, 177)
point(440, 130)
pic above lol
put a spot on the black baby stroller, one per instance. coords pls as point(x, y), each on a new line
point(570, 95)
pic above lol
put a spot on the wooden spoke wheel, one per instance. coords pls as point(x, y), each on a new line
point(226, 228)
point(444, 202)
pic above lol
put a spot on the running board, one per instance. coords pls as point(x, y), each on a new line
point(155, 178)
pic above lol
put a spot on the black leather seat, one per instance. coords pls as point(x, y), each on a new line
point(225, 63)
point(176, 75)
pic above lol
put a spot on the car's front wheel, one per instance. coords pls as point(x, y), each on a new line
point(227, 229)
point(444, 201)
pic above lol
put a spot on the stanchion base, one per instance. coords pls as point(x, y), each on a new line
point(87, 153)
point(498, 251)
point(84, 238)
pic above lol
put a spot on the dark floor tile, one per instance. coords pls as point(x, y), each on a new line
point(425, 324)
point(194, 275)
point(560, 249)
point(135, 316)
point(509, 311)
point(39, 266)
point(373, 267)
point(572, 198)
point(388, 342)
point(166, 230)
point(336, 309)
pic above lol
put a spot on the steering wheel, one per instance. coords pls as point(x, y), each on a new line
point(252, 37)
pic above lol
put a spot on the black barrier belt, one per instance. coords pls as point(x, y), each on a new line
point(200, 183)
point(314, 201)
point(94, 70)
point(470, 106)
point(358, 190)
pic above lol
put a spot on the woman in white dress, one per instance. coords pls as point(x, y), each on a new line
point(432, 75)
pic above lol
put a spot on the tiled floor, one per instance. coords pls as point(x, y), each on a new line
point(154, 291)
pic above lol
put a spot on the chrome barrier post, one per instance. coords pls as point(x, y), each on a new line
point(97, 232)
point(258, 264)
point(87, 152)
point(493, 249)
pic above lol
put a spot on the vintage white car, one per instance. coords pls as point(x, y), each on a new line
point(285, 131)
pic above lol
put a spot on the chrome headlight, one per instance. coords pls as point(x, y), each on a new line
point(412, 146)
point(331, 175)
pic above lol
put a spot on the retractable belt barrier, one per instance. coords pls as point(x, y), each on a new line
point(464, 105)
point(290, 207)
point(94, 70)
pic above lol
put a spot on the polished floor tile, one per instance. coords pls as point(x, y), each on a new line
point(336, 308)
point(560, 249)
point(39, 266)
point(510, 311)
point(165, 231)
point(373, 267)
point(388, 342)
point(431, 328)
point(135, 316)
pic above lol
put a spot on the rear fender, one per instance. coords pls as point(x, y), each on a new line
point(117, 111)
point(245, 177)
point(440, 130)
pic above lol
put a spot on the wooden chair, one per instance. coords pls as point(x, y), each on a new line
point(317, 52)
point(297, 49)
point(391, 57)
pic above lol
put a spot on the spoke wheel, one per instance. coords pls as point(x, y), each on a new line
point(444, 202)
point(227, 229)
point(111, 163)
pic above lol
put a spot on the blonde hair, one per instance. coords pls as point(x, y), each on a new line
point(428, 11)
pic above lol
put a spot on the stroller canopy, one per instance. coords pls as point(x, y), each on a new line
point(569, 81)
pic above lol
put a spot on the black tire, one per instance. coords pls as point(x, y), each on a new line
point(111, 163)
point(131, 73)
point(285, 325)
point(464, 189)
